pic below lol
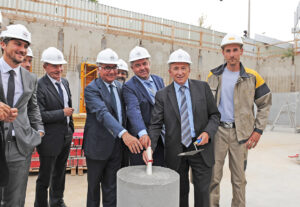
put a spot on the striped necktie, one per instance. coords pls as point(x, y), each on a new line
point(151, 90)
point(186, 138)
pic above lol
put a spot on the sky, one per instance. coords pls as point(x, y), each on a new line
point(272, 18)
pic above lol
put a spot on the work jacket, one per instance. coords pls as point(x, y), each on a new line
point(249, 89)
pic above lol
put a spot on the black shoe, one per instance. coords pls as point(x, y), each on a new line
point(60, 203)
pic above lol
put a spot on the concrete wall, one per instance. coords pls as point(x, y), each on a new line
point(83, 44)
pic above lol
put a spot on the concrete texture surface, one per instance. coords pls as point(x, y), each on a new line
point(273, 178)
point(135, 188)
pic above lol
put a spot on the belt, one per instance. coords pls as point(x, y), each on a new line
point(11, 139)
point(227, 125)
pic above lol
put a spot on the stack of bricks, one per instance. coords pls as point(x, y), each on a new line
point(76, 159)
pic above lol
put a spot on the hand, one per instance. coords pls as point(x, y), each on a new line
point(68, 111)
point(205, 137)
point(12, 115)
point(253, 140)
point(145, 156)
point(41, 134)
point(132, 143)
point(4, 111)
point(145, 141)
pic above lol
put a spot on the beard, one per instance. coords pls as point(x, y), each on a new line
point(121, 79)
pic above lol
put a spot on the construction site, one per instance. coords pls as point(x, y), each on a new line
point(273, 170)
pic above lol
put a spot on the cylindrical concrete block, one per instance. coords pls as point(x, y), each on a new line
point(137, 189)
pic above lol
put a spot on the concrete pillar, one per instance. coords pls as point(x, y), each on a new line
point(135, 188)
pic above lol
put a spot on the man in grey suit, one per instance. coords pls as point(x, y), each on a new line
point(54, 99)
point(18, 89)
point(188, 110)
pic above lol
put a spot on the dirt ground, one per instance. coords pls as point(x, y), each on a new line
point(273, 178)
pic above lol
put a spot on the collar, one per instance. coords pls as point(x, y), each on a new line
point(143, 81)
point(220, 69)
point(107, 84)
point(53, 80)
point(177, 86)
point(6, 68)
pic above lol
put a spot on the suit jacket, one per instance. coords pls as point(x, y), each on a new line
point(3, 164)
point(138, 103)
point(206, 119)
point(28, 121)
point(55, 122)
point(101, 128)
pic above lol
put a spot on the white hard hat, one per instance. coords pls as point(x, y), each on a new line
point(29, 52)
point(138, 53)
point(107, 56)
point(179, 56)
point(231, 39)
point(53, 56)
point(122, 65)
point(17, 31)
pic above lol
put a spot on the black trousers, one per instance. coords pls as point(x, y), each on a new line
point(158, 156)
point(201, 178)
point(52, 174)
point(104, 172)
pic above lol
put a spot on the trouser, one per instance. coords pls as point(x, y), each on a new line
point(226, 142)
point(201, 179)
point(13, 195)
point(104, 172)
point(52, 173)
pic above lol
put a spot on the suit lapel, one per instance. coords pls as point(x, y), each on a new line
point(193, 93)
point(64, 82)
point(157, 83)
point(52, 89)
point(173, 100)
point(140, 87)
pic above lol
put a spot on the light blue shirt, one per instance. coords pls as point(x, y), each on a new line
point(144, 131)
point(226, 106)
point(119, 108)
point(189, 103)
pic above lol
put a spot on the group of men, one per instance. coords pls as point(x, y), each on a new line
point(124, 118)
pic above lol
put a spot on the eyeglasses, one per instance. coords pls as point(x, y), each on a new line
point(122, 72)
point(109, 68)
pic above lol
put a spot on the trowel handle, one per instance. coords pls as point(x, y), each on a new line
point(198, 141)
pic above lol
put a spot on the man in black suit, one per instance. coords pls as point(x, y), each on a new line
point(188, 110)
point(54, 99)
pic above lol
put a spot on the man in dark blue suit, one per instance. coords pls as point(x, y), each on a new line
point(104, 130)
point(138, 94)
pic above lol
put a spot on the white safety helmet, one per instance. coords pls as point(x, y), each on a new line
point(107, 56)
point(17, 31)
point(138, 53)
point(29, 52)
point(231, 39)
point(122, 65)
point(179, 56)
point(53, 56)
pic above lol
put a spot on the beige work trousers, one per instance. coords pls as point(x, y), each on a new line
point(226, 142)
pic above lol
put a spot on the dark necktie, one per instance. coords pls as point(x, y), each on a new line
point(186, 138)
point(113, 101)
point(11, 88)
point(60, 91)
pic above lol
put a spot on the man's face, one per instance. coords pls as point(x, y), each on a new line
point(108, 72)
point(27, 63)
point(179, 72)
point(141, 68)
point(14, 51)
point(232, 54)
point(122, 75)
point(54, 71)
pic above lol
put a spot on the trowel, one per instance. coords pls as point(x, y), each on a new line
point(191, 153)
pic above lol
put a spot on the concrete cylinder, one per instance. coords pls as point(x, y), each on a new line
point(135, 188)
